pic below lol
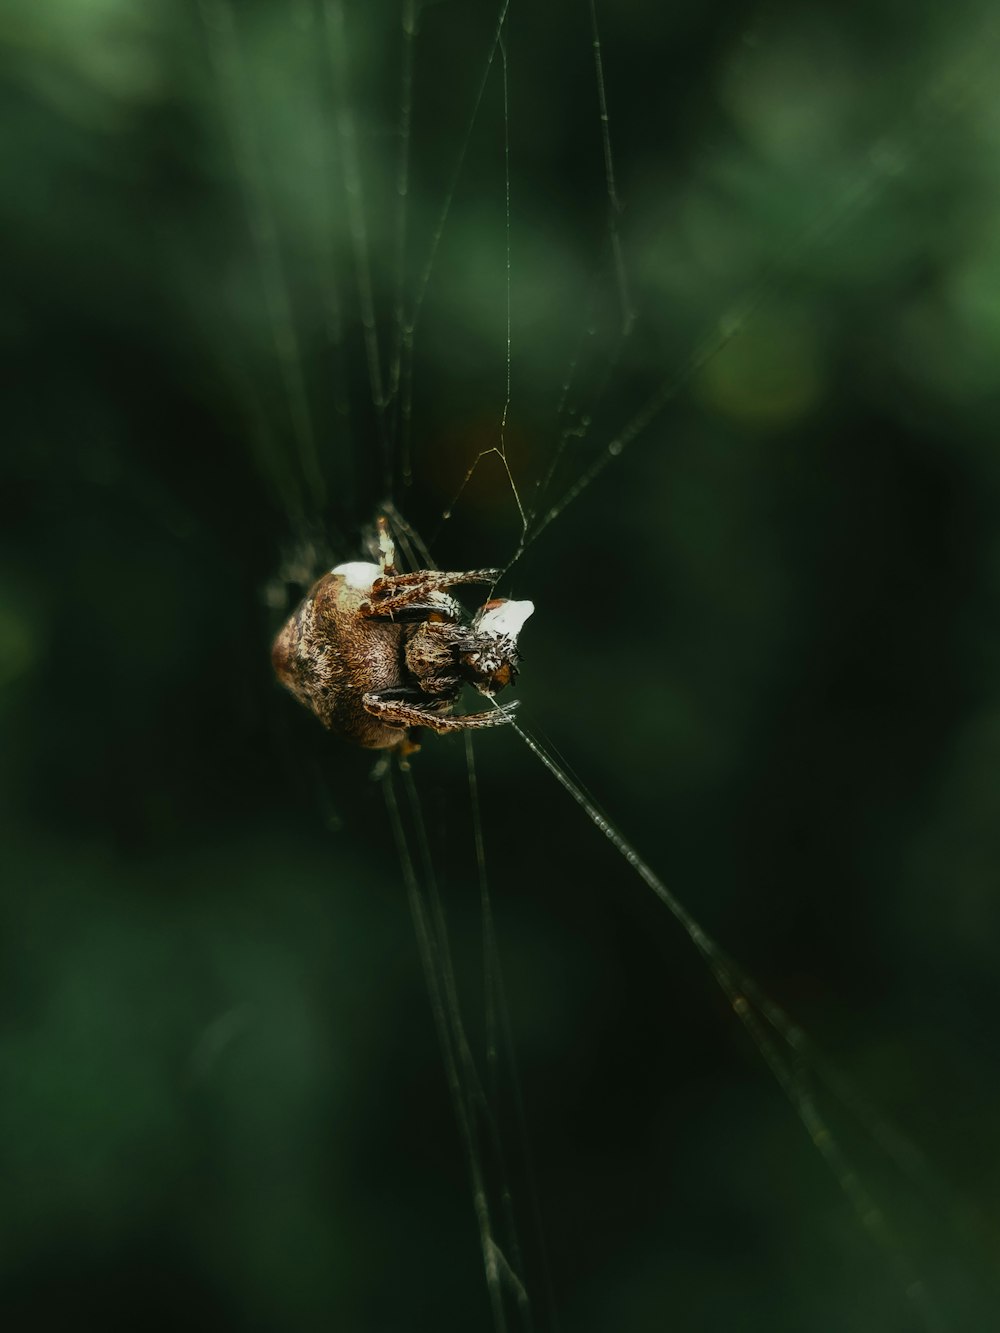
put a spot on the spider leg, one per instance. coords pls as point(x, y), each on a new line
point(398, 713)
point(412, 613)
point(430, 579)
point(387, 550)
point(392, 592)
point(397, 694)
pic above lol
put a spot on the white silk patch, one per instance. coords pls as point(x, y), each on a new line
point(505, 620)
point(358, 574)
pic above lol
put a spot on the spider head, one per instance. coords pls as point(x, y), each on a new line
point(490, 657)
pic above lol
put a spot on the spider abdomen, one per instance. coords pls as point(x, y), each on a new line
point(329, 657)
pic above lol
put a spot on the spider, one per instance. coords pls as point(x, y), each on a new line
point(374, 653)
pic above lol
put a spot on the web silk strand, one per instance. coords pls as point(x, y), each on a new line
point(730, 979)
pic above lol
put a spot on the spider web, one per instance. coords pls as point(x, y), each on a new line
point(551, 427)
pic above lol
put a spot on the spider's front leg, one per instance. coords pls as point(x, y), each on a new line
point(394, 708)
point(421, 593)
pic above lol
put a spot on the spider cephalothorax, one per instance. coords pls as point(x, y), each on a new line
point(374, 653)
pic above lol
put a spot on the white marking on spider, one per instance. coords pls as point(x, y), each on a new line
point(358, 574)
point(504, 619)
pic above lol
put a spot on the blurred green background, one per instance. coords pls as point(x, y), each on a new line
point(766, 639)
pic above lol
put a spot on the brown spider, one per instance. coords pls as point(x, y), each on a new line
point(374, 653)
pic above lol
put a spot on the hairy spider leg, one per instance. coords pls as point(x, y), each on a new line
point(392, 593)
point(396, 713)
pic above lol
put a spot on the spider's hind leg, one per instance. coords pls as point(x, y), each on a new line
point(396, 712)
